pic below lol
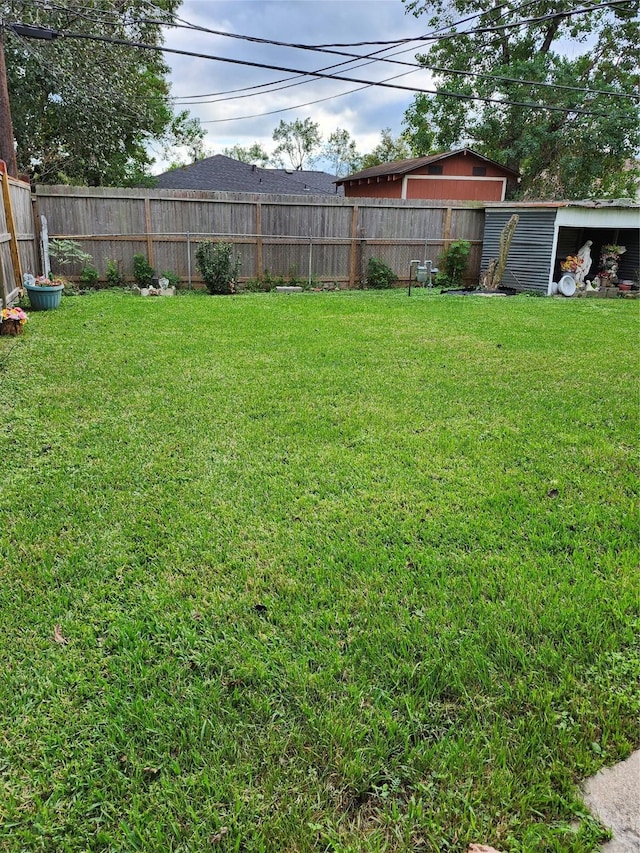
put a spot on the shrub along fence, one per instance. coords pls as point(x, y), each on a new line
point(315, 238)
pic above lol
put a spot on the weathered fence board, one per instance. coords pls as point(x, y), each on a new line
point(324, 237)
point(18, 241)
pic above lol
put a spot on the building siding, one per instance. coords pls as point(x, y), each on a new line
point(375, 189)
point(464, 189)
point(530, 255)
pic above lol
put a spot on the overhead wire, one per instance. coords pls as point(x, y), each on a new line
point(352, 58)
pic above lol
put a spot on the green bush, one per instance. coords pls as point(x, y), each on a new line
point(89, 275)
point(453, 264)
point(379, 275)
point(113, 274)
point(217, 267)
point(173, 279)
point(143, 272)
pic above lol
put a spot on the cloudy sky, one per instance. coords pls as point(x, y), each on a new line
point(219, 93)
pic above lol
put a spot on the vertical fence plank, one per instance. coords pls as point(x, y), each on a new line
point(259, 261)
point(353, 254)
point(147, 219)
point(11, 224)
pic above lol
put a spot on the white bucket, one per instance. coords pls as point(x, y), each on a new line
point(567, 285)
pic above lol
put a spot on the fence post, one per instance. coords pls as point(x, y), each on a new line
point(147, 219)
point(446, 231)
point(353, 255)
point(259, 259)
point(189, 258)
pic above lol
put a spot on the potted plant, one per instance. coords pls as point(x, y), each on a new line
point(12, 321)
point(45, 293)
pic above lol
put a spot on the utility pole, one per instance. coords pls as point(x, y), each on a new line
point(7, 146)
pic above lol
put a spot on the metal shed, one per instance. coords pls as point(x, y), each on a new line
point(549, 231)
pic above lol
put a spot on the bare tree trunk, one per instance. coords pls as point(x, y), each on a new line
point(496, 268)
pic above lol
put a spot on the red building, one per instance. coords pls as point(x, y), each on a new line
point(460, 175)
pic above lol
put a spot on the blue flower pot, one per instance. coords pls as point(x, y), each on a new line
point(44, 298)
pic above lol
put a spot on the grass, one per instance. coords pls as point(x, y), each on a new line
point(337, 572)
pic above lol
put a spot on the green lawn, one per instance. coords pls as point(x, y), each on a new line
point(337, 572)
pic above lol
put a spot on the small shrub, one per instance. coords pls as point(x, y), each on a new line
point(173, 279)
point(143, 272)
point(113, 273)
point(379, 275)
point(217, 267)
point(453, 264)
point(89, 275)
point(254, 285)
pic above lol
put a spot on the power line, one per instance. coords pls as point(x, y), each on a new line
point(321, 75)
point(190, 100)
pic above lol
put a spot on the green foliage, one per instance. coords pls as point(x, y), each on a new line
point(89, 275)
point(66, 252)
point(550, 61)
point(113, 272)
point(217, 266)
point(387, 150)
point(452, 264)
point(252, 154)
point(84, 112)
point(379, 274)
point(299, 140)
point(143, 272)
point(173, 279)
point(254, 285)
point(341, 152)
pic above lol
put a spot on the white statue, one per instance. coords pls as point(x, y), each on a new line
point(584, 256)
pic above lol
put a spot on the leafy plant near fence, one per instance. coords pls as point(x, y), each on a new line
point(143, 272)
point(66, 252)
point(379, 275)
point(453, 263)
point(89, 275)
point(218, 267)
point(113, 272)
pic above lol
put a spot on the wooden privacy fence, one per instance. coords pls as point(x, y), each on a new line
point(18, 242)
point(323, 238)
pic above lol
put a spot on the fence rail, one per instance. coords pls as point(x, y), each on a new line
point(319, 238)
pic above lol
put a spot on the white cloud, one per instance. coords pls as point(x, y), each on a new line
point(363, 113)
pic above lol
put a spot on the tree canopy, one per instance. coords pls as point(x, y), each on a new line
point(299, 140)
point(389, 148)
point(579, 66)
point(254, 154)
point(341, 153)
point(84, 111)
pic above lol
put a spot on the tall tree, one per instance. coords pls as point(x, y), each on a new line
point(389, 148)
point(341, 152)
point(252, 154)
point(299, 140)
point(550, 53)
point(84, 111)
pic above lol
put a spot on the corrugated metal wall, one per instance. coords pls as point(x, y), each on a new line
point(530, 255)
